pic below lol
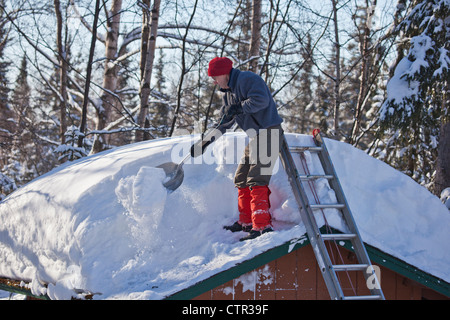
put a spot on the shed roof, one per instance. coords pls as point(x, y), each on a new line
point(62, 227)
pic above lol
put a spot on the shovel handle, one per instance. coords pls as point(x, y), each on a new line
point(205, 137)
point(184, 160)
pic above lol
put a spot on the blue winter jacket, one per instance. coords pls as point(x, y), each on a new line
point(259, 108)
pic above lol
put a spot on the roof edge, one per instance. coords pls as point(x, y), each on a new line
point(239, 269)
point(408, 270)
point(19, 287)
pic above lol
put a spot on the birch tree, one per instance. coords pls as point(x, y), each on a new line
point(109, 100)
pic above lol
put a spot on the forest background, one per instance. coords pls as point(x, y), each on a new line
point(81, 76)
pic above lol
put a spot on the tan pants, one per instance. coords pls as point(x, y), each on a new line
point(258, 161)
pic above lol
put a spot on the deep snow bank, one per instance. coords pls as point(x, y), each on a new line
point(105, 223)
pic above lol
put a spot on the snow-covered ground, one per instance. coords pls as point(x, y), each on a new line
point(105, 224)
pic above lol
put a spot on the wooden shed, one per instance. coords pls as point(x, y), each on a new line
point(290, 272)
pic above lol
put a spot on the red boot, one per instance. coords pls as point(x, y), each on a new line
point(260, 205)
point(245, 212)
point(244, 207)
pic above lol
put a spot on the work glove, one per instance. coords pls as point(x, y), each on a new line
point(232, 110)
point(228, 113)
point(198, 149)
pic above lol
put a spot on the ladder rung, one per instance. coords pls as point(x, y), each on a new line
point(316, 176)
point(303, 149)
point(350, 267)
point(327, 206)
point(373, 297)
point(339, 236)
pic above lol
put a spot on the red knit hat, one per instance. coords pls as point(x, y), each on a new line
point(219, 66)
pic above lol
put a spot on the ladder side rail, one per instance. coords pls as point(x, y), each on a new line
point(335, 184)
point(312, 230)
point(357, 242)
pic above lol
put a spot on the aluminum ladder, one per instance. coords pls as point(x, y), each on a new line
point(318, 239)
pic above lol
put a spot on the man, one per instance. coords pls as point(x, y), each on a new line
point(248, 102)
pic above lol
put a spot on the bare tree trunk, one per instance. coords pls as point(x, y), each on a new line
point(145, 30)
point(222, 50)
point(183, 72)
point(273, 35)
point(110, 76)
point(271, 39)
point(442, 179)
point(337, 94)
point(364, 80)
point(88, 74)
point(62, 70)
point(146, 69)
point(256, 36)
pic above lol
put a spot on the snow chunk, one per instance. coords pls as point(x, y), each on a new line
point(445, 197)
point(143, 195)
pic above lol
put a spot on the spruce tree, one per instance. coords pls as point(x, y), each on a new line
point(416, 106)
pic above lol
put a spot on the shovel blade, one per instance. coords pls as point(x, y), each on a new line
point(174, 175)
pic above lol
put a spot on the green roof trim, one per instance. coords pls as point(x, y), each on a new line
point(402, 267)
point(239, 269)
point(377, 256)
point(15, 286)
point(409, 271)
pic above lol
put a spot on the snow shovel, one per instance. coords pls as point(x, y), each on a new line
point(174, 172)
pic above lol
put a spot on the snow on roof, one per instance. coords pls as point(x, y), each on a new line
point(105, 224)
